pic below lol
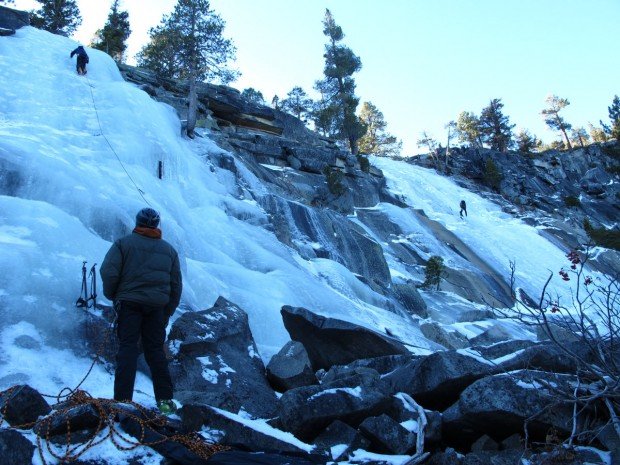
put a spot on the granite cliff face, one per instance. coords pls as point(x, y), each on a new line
point(555, 191)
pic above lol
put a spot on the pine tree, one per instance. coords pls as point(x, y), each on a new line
point(597, 134)
point(192, 41)
point(111, 39)
point(338, 87)
point(468, 129)
point(614, 116)
point(495, 127)
point(160, 54)
point(297, 103)
point(253, 95)
point(431, 144)
point(526, 142)
point(275, 102)
point(57, 16)
point(376, 140)
point(554, 120)
point(435, 270)
point(580, 136)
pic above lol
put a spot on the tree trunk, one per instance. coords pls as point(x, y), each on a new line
point(193, 104)
point(563, 129)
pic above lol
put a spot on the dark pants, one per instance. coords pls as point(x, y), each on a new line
point(463, 210)
point(134, 321)
point(81, 64)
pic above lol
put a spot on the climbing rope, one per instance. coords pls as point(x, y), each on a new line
point(92, 96)
point(108, 411)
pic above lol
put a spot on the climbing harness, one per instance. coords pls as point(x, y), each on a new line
point(85, 300)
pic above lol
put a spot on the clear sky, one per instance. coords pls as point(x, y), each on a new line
point(423, 61)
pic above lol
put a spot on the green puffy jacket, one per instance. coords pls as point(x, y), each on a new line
point(143, 269)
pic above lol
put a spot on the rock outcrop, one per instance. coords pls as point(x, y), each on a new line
point(11, 20)
point(329, 341)
point(217, 362)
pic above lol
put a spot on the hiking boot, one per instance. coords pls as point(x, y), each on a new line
point(166, 407)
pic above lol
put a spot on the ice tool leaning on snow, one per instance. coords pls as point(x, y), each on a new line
point(82, 59)
point(141, 274)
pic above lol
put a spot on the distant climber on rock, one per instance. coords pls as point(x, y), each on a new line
point(142, 276)
point(463, 208)
point(82, 59)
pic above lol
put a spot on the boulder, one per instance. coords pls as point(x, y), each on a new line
point(382, 365)
point(387, 436)
point(447, 457)
point(217, 362)
point(498, 406)
point(229, 430)
point(505, 457)
point(290, 368)
point(546, 357)
point(450, 340)
point(329, 341)
point(237, 457)
point(307, 411)
point(15, 449)
point(339, 439)
point(484, 443)
point(436, 381)
point(401, 411)
point(504, 350)
point(11, 20)
point(141, 426)
point(496, 333)
point(410, 298)
point(22, 405)
point(349, 376)
point(513, 441)
point(70, 420)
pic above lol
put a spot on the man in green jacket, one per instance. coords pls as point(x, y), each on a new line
point(141, 274)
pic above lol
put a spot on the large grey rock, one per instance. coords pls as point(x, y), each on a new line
point(15, 449)
point(69, 420)
point(142, 426)
point(436, 381)
point(387, 436)
point(307, 411)
point(503, 457)
point(411, 299)
point(499, 405)
point(405, 414)
point(450, 340)
point(11, 19)
point(217, 362)
point(21, 406)
point(329, 341)
point(226, 430)
point(290, 368)
point(492, 335)
point(340, 434)
point(447, 457)
point(382, 365)
point(548, 357)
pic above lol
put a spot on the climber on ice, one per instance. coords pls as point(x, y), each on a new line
point(463, 208)
point(82, 59)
